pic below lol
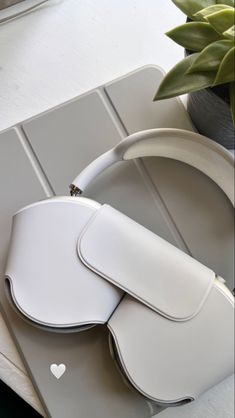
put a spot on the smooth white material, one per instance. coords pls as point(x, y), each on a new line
point(54, 287)
point(144, 265)
point(189, 147)
point(42, 67)
point(49, 285)
point(153, 366)
point(171, 361)
point(71, 54)
point(95, 168)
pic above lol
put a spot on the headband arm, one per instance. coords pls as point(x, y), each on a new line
point(188, 147)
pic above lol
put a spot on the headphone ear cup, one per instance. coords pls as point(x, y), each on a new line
point(117, 362)
point(116, 358)
point(170, 362)
point(61, 330)
point(46, 282)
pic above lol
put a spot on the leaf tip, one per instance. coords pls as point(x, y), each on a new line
point(156, 97)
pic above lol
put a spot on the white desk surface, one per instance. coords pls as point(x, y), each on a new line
point(67, 47)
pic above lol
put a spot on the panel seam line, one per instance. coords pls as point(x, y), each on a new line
point(34, 161)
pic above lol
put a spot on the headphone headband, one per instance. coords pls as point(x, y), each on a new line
point(189, 147)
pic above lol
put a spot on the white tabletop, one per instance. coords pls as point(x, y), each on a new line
point(67, 47)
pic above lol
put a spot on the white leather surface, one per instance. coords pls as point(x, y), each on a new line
point(191, 148)
point(144, 265)
point(155, 351)
point(144, 114)
point(181, 145)
point(65, 293)
point(23, 96)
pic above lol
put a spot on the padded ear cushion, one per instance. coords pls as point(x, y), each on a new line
point(46, 281)
point(122, 371)
point(52, 328)
point(170, 362)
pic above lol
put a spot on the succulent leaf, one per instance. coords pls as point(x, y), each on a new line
point(222, 21)
point(230, 33)
point(227, 2)
point(232, 100)
point(225, 72)
point(194, 36)
point(178, 81)
point(210, 57)
point(202, 14)
point(210, 37)
point(190, 7)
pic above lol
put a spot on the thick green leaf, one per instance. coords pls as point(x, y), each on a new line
point(203, 13)
point(211, 56)
point(225, 72)
point(232, 100)
point(190, 7)
point(230, 33)
point(222, 21)
point(194, 36)
point(228, 2)
point(178, 81)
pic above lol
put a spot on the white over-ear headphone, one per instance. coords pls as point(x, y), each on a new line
point(188, 147)
point(74, 263)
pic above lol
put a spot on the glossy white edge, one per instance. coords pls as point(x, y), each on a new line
point(62, 199)
point(113, 281)
point(222, 289)
point(125, 151)
point(10, 292)
point(138, 388)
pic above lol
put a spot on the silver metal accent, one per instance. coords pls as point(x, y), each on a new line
point(74, 190)
point(221, 280)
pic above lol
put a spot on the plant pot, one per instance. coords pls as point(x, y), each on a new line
point(211, 115)
point(210, 112)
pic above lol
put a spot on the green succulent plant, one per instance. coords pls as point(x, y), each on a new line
point(209, 36)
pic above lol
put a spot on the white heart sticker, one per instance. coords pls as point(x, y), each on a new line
point(57, 370)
